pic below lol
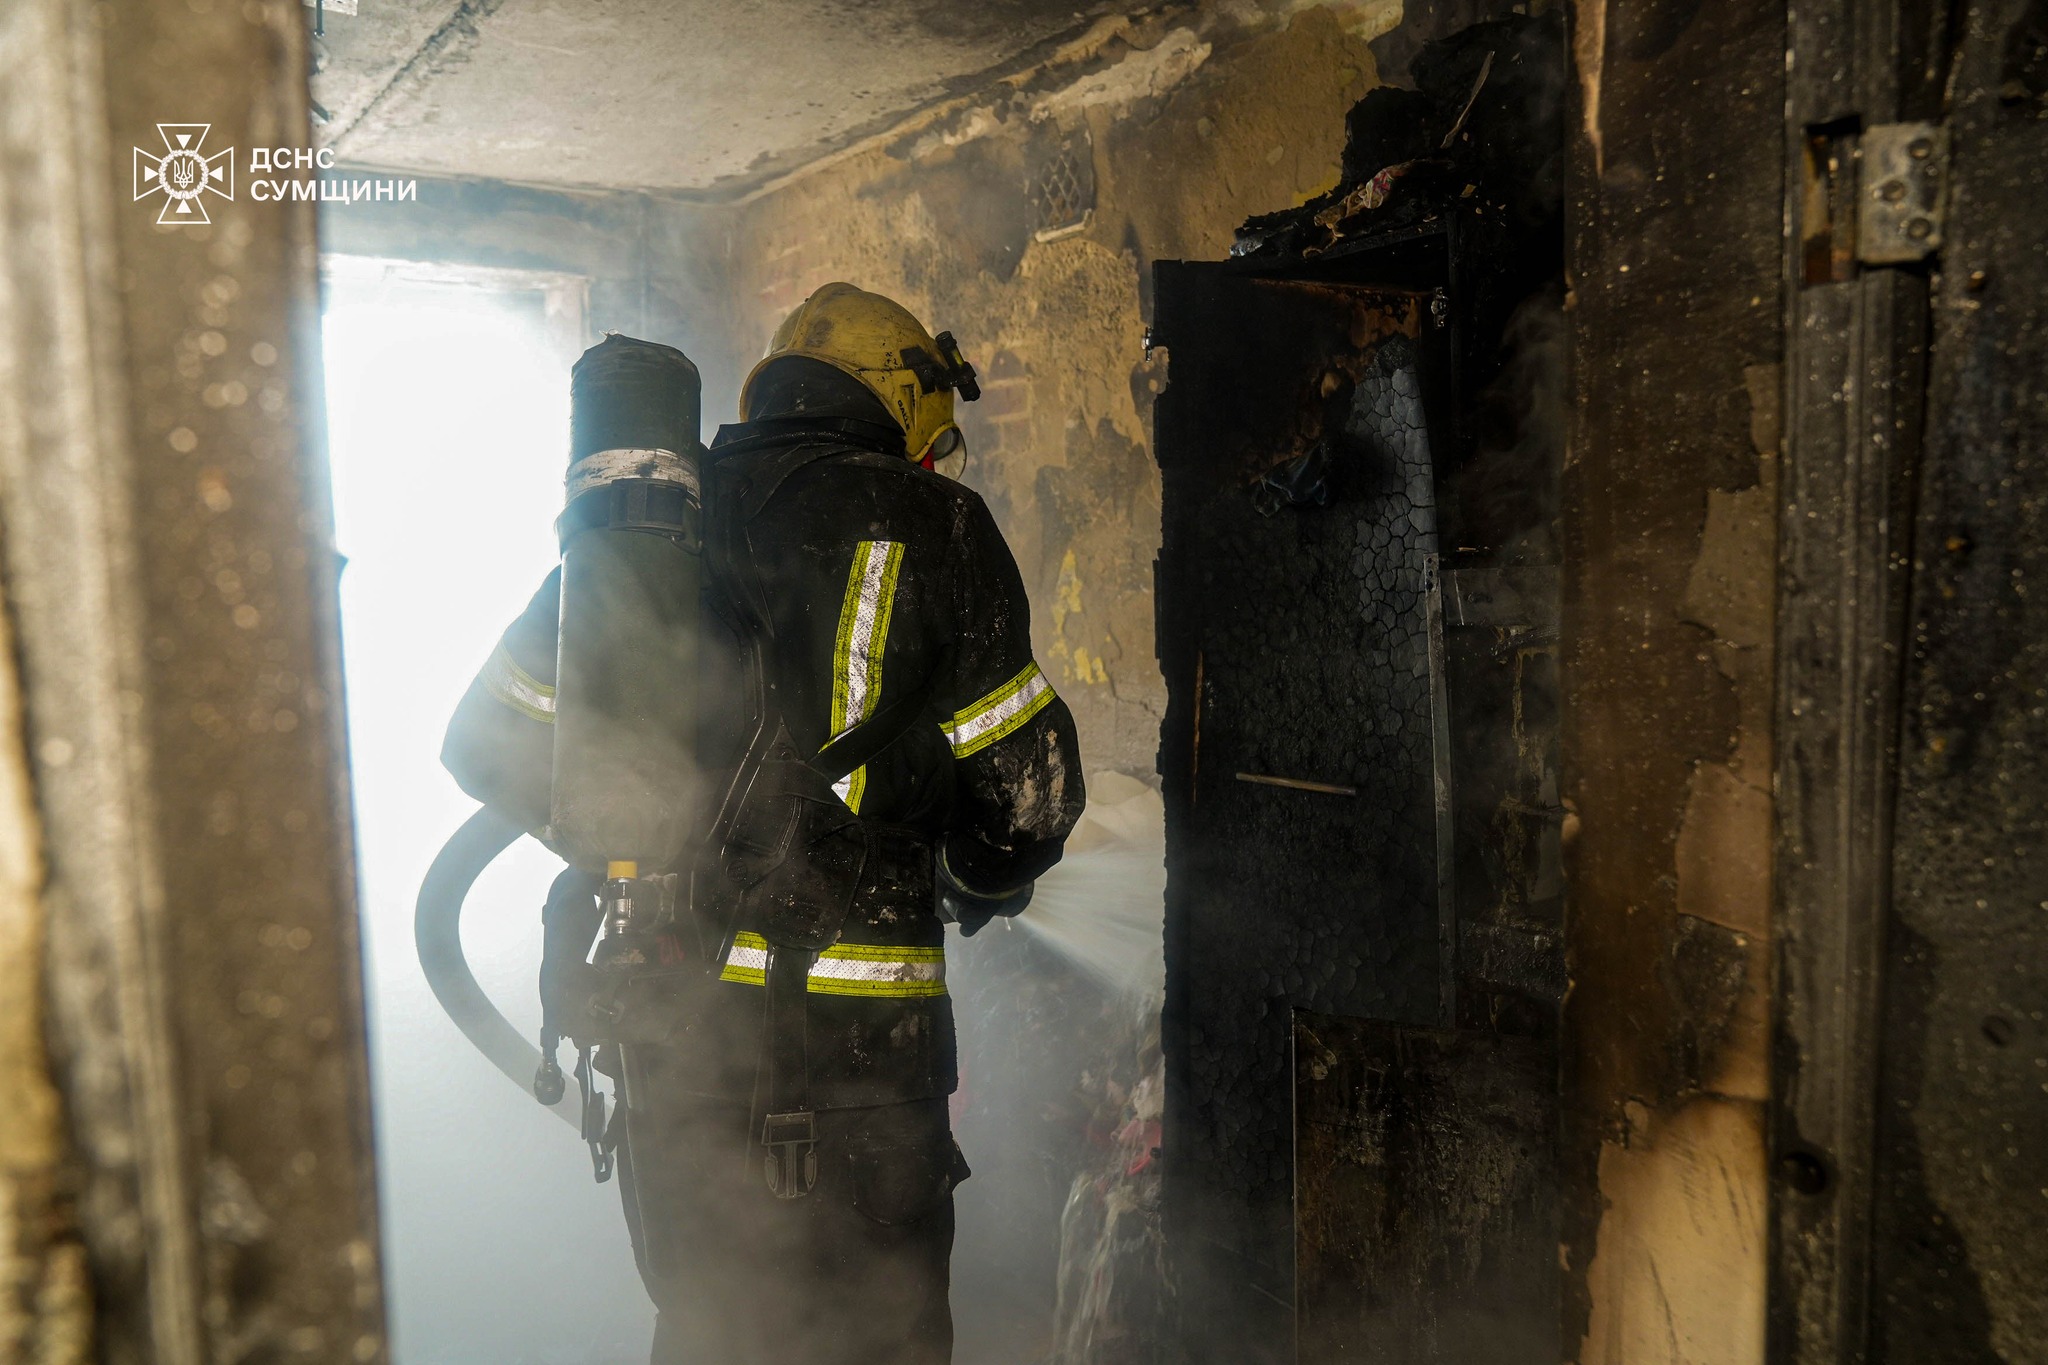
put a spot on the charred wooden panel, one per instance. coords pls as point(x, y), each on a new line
point(1425, 1195)
point(1501, 632)
point(1357, 592)
point(1295, 646)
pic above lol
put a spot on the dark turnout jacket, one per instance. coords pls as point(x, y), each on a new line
point(878, 580)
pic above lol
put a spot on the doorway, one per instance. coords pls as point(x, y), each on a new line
point(448, 413)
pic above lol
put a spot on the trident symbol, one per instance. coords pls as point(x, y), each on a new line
point(184, 174)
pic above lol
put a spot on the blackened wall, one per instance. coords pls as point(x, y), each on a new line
point(1667, 535)
point(1961, 1181)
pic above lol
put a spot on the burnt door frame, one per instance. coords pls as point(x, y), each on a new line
point(171, 593)
point(1885, 468)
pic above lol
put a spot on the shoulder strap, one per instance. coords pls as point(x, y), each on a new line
point(747, 490)
point(855, 747)
point(740, 487)
point(782, 1077)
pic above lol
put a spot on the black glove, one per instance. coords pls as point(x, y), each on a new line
point(972, 910)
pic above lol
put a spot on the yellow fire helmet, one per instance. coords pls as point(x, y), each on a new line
point(879, 343)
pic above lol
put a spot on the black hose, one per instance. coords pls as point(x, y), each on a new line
point(437, 931)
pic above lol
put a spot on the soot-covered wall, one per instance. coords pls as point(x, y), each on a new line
point(1026, 221)
point(1670, 494)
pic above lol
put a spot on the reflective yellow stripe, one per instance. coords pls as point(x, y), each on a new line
point(848, 969)
point(1000, 713)
point(857, 653)
point(518, 689)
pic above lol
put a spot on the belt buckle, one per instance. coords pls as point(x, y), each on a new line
point(791, 1163)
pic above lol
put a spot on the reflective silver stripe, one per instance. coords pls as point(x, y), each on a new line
point(745, 960)
point(857, 652)
point(1000, 713)
point(624, 462)
point(848, 969)
point(517, 688)
point(878, 971)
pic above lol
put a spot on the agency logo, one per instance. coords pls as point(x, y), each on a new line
point(184, 173)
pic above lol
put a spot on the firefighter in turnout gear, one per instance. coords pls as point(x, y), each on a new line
point(881, 756)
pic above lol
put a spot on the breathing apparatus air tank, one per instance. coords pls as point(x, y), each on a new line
point(626, 795)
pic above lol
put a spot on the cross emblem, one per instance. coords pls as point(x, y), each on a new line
point(184, 173)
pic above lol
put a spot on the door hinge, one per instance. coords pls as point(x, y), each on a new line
point(1904, 201)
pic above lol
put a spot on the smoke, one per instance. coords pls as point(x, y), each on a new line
point(1057, 1257)
point(1102, 908)
point(446, 419)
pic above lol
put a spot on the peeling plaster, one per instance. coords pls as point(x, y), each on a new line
point(1679, 1275)
point(1723, 861)
point(1142, 75)
point(1722, 855)
point(1669, 651)
point(1729, 590)
point(1364, 19)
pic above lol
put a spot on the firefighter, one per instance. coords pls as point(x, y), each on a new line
point(788, 1165)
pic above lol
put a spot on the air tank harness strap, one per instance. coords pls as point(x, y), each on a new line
point(742, 487)
point(789, 1126)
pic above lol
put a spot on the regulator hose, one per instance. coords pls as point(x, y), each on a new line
point(437, 932)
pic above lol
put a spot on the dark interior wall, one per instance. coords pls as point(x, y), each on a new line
point(1668, 516)
point(1961, 1171)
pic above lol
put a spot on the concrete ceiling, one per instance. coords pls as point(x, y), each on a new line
point(710, 97)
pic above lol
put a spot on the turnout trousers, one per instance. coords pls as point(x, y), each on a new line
point(854, 1273)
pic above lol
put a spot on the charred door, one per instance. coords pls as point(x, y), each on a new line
point(1299, 779)
point(1359, 771)
point(1359, 447)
